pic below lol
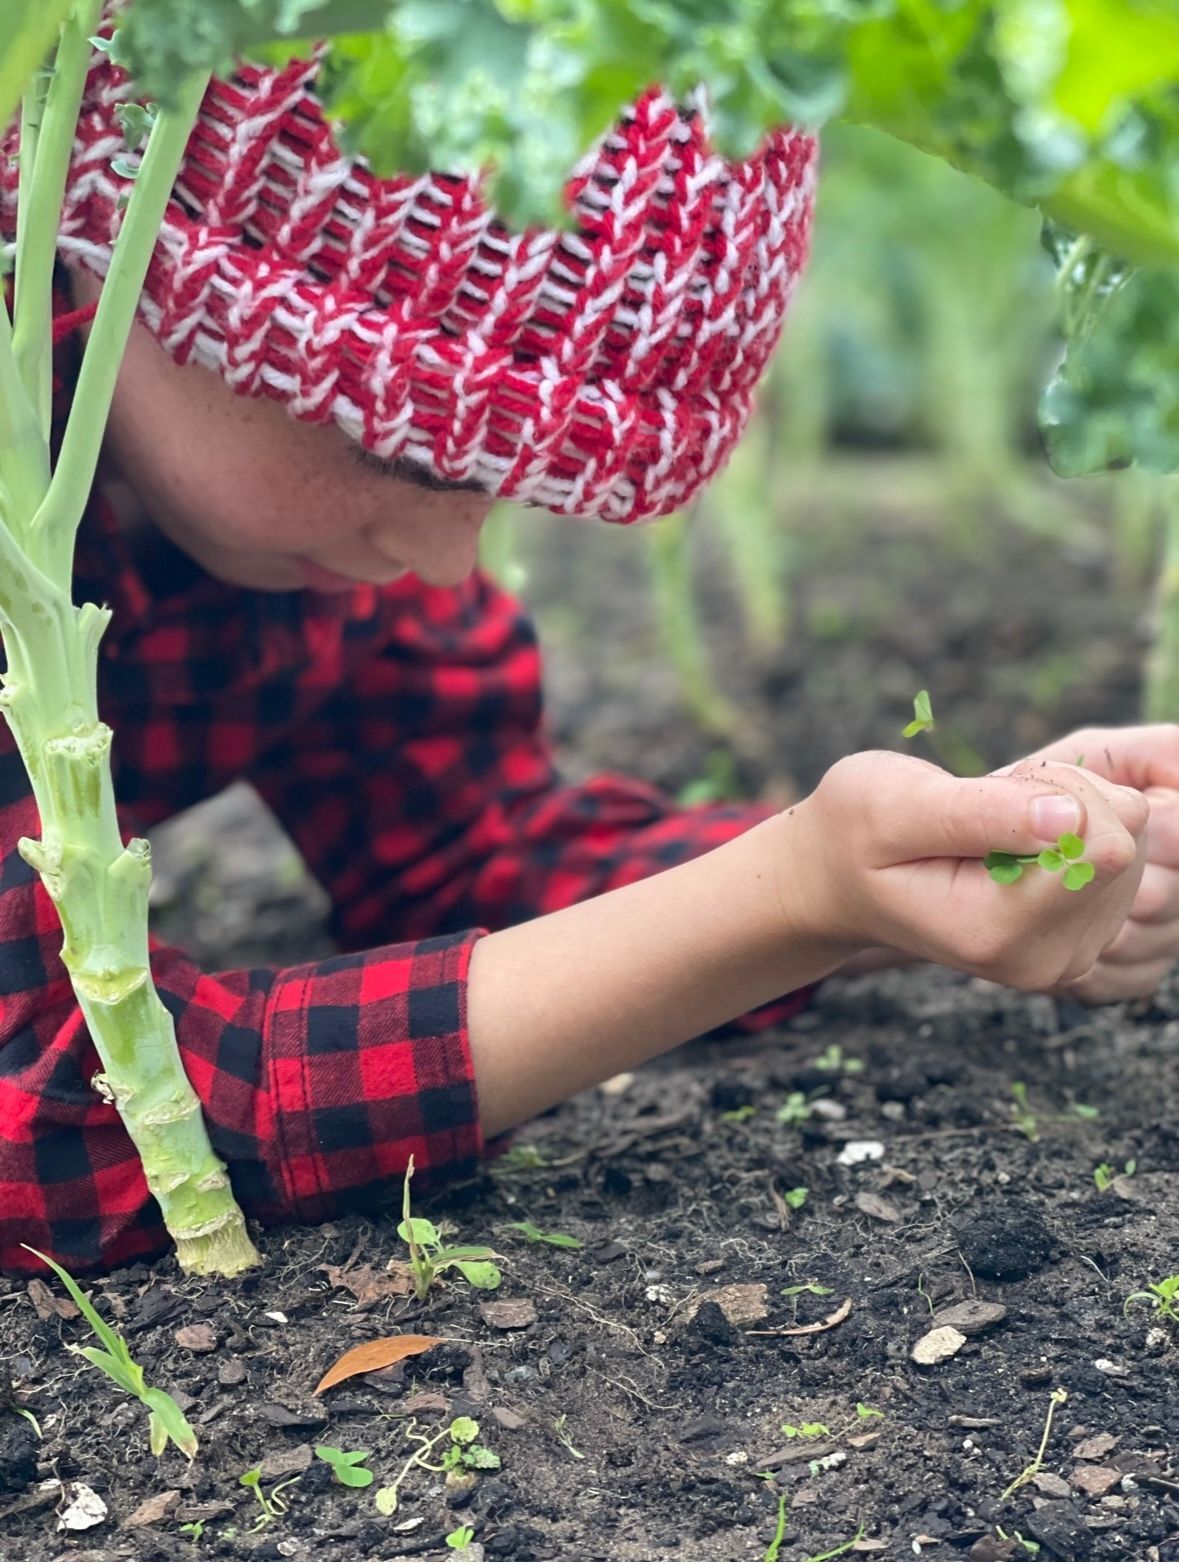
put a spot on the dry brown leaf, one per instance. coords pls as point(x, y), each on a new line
point(368, 1286)
point(48, 1304)
point(814, 1329)
point(876, 1206)
point(741, 1303)
point(379, 1354)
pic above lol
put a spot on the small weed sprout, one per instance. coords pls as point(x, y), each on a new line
point(1031, 1548)
point(194, 1530)
point(428, 1255)
point(165, 1419)
point(274, 1507)
point(460, 1537)
point(738, 1115)
point(771, 1553)
point(795, 1110)
point(1067, 858)
point(1022, 1117)
point(346, 1465)
point(816, 1289)
point(836, 1061)
point(864, 1412)
point(533, 1235)
point(837, 1553)
point(805, 1430)
point(924, 1294)
point(1056, 1399)
point(796, 1198)
point(562, 1434)
point(1104, 1174)
point(1162, 1296)
point(463, 1455)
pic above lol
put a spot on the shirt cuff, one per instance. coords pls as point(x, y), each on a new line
point(368, 1062)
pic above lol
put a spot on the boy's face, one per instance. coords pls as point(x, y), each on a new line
point(263, 501)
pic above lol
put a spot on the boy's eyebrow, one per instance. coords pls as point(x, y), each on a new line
point(406, 470)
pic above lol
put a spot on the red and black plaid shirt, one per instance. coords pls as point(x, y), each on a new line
point(396, 733)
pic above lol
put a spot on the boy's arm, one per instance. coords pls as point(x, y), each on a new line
point(424, 795)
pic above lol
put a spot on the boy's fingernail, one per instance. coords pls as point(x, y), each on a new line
point(1053, 814)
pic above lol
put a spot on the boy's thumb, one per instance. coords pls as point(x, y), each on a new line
point(970, 817)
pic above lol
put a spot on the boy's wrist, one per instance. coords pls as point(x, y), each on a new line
point(807, 896)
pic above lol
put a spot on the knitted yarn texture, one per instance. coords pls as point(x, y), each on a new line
point(603, 371)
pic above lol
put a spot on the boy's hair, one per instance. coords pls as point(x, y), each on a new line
point(603, 371)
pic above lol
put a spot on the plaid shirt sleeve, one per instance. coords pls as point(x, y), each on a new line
point(424, 794)
point(317, 1082)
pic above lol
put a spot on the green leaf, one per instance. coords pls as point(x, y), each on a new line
point(533, 1234)
point(385, 1500)
point(1078, 875)
point(464, 1430)
point(354, 1476)
point(1050, 859)
point(424, 1232)
point(252, 1478)
point(169, 1422)
point(481, 1459)
point(1005, 873)
point(1071, 846)
point(480, 1273)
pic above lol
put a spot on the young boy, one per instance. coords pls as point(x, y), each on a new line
point(296, 602)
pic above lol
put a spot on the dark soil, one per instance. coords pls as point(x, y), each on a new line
point(633, 1417)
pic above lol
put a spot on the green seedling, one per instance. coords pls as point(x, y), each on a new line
point(1104, 1174)
point(193, 1530)
point(165, 1419)
point(1066, 859)
point(1028, 1547)
point(533, 1235)
point(521, 1159)
point(805, 1430)
point(816, 1289)
point(738, 1115)
point(796, 1198)
point(837, 1553)
point(924, 1294)
point(1084, 1110)
point(460, 1537)
point(771, 1553)
point(795, 1110)
point(833, 1058)
point(922, 716)
point(1162, 1296)
point(1022, 1117)
point(428, 1255)
point(1056, 1399)
point(463, 1455)
point(562, 1434)
point(275, 1506)
point(865, 1412)
point(346, 1465)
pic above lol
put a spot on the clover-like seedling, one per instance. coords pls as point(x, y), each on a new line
point(346, 1465)
point(461, 1537)
point(1066, 859)
point(805, 1430)
point(464, 1454)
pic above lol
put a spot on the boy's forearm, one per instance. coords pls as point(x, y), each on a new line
point(572, 998)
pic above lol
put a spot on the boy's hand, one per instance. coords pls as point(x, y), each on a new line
point(1145, 949)
point(892, 851)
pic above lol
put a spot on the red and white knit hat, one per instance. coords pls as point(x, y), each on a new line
point(605, 371)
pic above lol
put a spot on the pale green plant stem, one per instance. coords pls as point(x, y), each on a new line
point(24, 454)
point(50, 699)
point(56, 522)
point(41, 196)
point(1160, 696)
